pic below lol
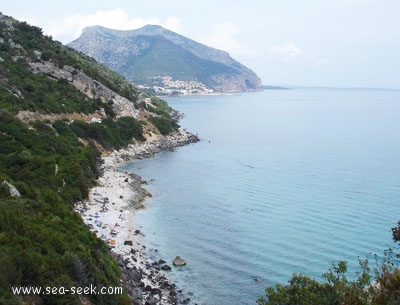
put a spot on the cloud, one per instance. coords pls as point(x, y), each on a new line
point(224, 38)
point(289, 49)
point(70, 27)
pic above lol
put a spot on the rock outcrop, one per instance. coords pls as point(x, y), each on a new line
point(90, 87)
point(178, 261)
point(12, 189)
point(150, 147)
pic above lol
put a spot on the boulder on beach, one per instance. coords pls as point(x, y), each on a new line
point(178, 261)
point(166, 268)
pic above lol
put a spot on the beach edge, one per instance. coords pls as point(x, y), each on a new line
point(109, 213)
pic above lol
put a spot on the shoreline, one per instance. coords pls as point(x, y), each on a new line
point(214, 93)
point(109, 213)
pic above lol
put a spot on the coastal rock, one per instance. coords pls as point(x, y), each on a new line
point(166, 268)
point(178, 261)
point(155, 291)
point(137, 295)
point(136, 276)
point(151, 301)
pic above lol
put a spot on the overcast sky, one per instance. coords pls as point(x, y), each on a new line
point(342, 43)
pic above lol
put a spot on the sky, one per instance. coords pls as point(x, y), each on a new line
point(334, 43)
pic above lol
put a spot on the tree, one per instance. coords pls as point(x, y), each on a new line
point(396, 233)
point(387, 284)
point(338, 290)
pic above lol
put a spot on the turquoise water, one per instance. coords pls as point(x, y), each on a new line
point(282, 182)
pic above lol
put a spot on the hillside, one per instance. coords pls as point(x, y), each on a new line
point(151, 55)
point(59, 111)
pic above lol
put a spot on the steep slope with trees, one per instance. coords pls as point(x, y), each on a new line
point(58, 110)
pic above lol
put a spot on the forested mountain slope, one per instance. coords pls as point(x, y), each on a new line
point(59, 110)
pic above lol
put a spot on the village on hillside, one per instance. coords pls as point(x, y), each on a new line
point(165, 85)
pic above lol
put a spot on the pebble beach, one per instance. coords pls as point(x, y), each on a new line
point(109, 212)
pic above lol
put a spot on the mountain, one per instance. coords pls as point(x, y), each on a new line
point(153, 54)
point(60, 111)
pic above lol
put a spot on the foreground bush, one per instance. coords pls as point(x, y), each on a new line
point(383, 288)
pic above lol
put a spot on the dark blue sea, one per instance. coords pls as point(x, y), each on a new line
point(281, 182)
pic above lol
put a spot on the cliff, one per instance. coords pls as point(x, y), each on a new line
point(148, 55)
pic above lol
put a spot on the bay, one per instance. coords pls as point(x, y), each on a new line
point(281, 182)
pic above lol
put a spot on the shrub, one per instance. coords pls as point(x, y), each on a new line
point(164, 125)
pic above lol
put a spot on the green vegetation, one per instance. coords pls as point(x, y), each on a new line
point(337, 289)
point(109, 133)
point(159, 53)
point(43, 242)
point(156, 61)
point(162, 106)
point(20, 89)
point(163, 121)
point(40, 93)
point(164, 124)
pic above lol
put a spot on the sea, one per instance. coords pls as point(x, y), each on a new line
point(282, 182)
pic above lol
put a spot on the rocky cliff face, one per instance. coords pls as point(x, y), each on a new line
point(152, 51)
point(91, 88)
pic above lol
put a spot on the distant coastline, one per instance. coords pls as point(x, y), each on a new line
point(185, 92)
point(297, 87)
point(265, 87)
point(210, 94)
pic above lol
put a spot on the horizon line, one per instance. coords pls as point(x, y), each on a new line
point(286, 87)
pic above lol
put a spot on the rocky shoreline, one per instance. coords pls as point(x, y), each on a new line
point(109, 211)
